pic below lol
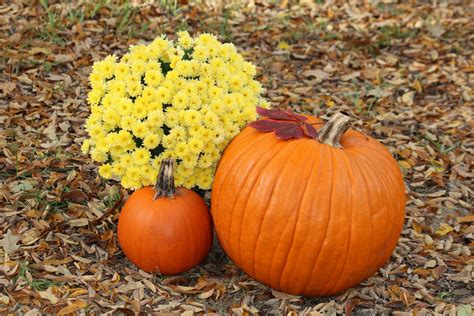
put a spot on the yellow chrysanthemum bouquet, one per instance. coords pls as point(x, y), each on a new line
point(185, 100)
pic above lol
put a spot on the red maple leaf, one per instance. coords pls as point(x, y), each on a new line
point(285, 124)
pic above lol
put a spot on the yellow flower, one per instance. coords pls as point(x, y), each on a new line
point(206, 39)
point(255, 87)
point(107, 100)
point(215, 93)
point(217, 106)
point(126, 160)
point(137, 67)
point(141, 156)
point(249, 69)
point(140, 129)
point(195, 102)
point(183, 171)
point(178, 132)
point(86, 145)
point(106, 67)
point(195, 145)
point(118, 169)
point(106, 171)
point(171, 118)
point(205, 161)
point(193, 117)
point(98, 155)
point(188, 98)
point(163, 95)
point(148, 94)
point(153, 77)
point(236, 82)
point(121, 70)
point(139, 109)
point(154, 106)
point(139, 52)
point(205, 182)
point(94, 96)
point(185, 40)
point(180, 100)
point(134, 88)
point(150, 175)
point(117, 87)
point(169, 141)
point(203, 133)
point(181, 149)
point(96, 130)
point(128, 122)
point(200, 53)
point(132, 178)
point(153, 66)
point(124, 106)
point(210, 119)
point(158, 47)
point(151, 141)
point(124, 137)
point(116, 152)
point(111, 117)
point(189, 161)
point(156, 118)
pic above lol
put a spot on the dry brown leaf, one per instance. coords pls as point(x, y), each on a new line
point(444, 229)
point(9, 242)
point(466, 219)
point(316, 73)
point(7, 87)
point(48, 296)
point(73, 307)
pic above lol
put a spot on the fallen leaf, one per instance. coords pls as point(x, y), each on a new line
point(78, 222)
point(404, 164)
point(22, 187)
point(9, 242)
point(466, 219)
point(408, 98)
point(74, 307)
point(206, 294)
point(444, 229)
point(4, 299)
point(282, 295)
point(436, 30)
point(283, 4)
point(417, 227)
point(350, 76)
point(7, 87)
point(48, 296)
point(464, 310)
point(316, 73)
point(430, 264)
point(75, 196)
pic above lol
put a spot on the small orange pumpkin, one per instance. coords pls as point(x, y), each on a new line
point(165, 230)
point(313, 215)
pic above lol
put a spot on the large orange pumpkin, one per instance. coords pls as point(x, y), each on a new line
point(313, 215)
point(165, 230)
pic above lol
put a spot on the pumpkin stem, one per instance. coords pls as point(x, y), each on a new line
point(164, 186)
point(333, 130)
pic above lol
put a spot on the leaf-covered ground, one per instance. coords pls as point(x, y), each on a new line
point(405, 72)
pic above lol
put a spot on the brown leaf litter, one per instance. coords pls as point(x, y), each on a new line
point(404, 71)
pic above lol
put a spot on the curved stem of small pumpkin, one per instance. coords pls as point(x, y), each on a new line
point(164, 186)
point(333, 130)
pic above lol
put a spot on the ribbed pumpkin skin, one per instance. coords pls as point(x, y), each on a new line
point(167, 235)
point(304, 217)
